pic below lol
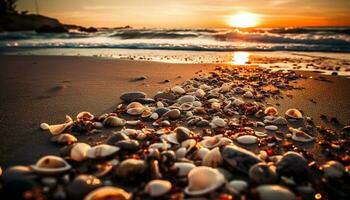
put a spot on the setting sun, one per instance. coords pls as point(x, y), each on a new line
point(243, 20)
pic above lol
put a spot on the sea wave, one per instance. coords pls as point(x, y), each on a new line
point(330, 39)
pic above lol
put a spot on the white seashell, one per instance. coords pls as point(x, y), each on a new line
point(203, 180)
point(171, 138)
point(44, 126)
point(51, 165)
point(108, 192)
point(135, 111)
point(333, 169)
point(178, 90)
point(218, 122)
point(160, 104)
point(160, 145)
point(271, 128)
point(189, 114)
point(186, 99)
point(260, 134)
point(272, 192)
point(239, 185)
point(79, 151)
point(213, 158)
point(154, 116)
point(101, 151)
point(248, 94)
point(157, 188)
point(247, 139)
point(300, 136)
point(181, 152)
point(294, 113)
point(202, 152)
point(59, 128)
point(214, 141)
point(186, 106)
point(197, 104)
point(85, 116)
point(271, 111)
point(213, 100)
point(183, 168)
point(199, 93)
point(114, 121)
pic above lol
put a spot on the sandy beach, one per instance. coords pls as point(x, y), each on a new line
point(38, 89)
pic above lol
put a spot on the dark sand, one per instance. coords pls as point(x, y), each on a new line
point(37, 89)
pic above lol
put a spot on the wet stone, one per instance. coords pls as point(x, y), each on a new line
point(131, 96)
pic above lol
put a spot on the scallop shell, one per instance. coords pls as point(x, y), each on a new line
point(108, 192)
point(294, 113)
point(157, 188)
point(79, 151)
point(51, 165)
point(247, 139)
point(101, 151)
point(213, 158)
point(271, 111)
point(178, 90)
point(85, 116)
point(114, 121)
point(203, 180)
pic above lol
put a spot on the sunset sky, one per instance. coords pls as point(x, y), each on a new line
point(192, 13)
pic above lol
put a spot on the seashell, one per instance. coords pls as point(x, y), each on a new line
point(44, 126)
point(203, 180)
point(213, 158)
point(135, 105)
point(273, 192)
point(205, 87)
point(202, 152)
point(64, 138)
point(186, 99)
point(108, 192)
point(181, 152)
point(130, 167)
point(157, 188)
point(215, 106)
point(135, 108)
point(293, 165)
point(160, 145)
point(248, 94)
point(271, 111)
point(133, 122)
point(170, 138)
point(82, 185)
point(59, 128)
point(186, 106)
point(239, 158)
point(218, 122)
point(189, 144)
point(172, 114)
point(182, 133)
point(247, 139)
point(226, 87)
point(333, 169)
point(197, 104)
point(271, 128)
point(260, 134)
point(51, 165)
point(79, 151)
point(178, 90)
point(238, 185)
point(214, 141)
point(300, 136)
point(159, 104)
point(114, 121)
point(279, 121)
point(183, 168)
point(199, 93)
point(294, 113)
point(85, 116)
point(189, 114)
point(146, 113)
point(263, 173)
point(101, 151)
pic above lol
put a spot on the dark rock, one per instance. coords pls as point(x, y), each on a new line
point(128, 145)
point(161, 111)
point(145, 100)
point(131, 96)
point(51, 29)
point(293, 165)
point(141, 78)
point(334, 73)
point(168, 96)
point(81, 186)
point(88, 30)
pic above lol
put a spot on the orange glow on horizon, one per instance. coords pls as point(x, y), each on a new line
point(243, 20)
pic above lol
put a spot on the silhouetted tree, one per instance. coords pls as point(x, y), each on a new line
point(8, 6)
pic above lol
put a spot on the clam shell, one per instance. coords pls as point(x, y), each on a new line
point(51, 165)
point(85, 116)
point(203, 180)
point(114, 121)
point(202, 152)
point(300, 136)
point(271, 128)
point(101, 151)
point(108, 192)
point(186, 106)
point(294, 113)
point(178, 90)
point(135, 108)
point(213, 158)
point(247, 139)
point(157, 188)
point(79, 151)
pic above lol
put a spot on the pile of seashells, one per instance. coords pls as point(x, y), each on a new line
point(212, 137)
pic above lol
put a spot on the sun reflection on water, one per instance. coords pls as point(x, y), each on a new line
point(240, 58)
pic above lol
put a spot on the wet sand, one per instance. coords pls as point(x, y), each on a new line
point(37, 89)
